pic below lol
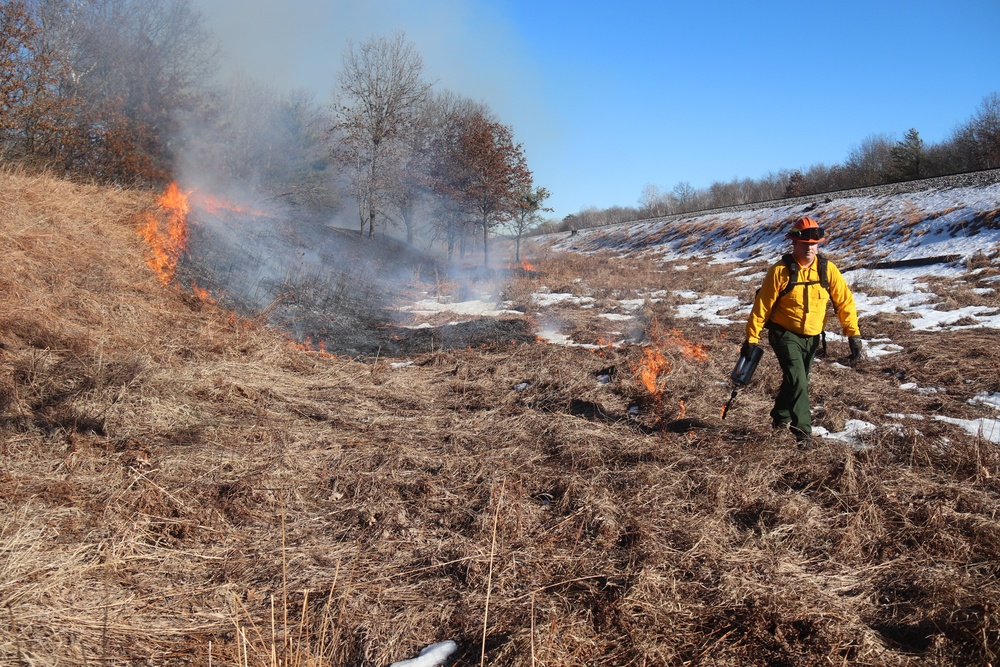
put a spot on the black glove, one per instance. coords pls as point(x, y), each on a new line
point(747, 348)
point(857, 350)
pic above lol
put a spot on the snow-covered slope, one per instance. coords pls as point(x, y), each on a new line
point(939, 223)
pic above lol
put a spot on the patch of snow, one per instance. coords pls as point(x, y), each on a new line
point(554, 337)
point(931, 320)
point(992, 400)
point(882, 349)
point(906, 302)
point(741, 269)
point(854, 430)
point(907, 386)
point(431, 656)
point(474, 307)
point(708, 308)
point(546, 299)
point(988, 429)
point(632, 304)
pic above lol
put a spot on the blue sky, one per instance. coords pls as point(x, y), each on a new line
point(609, 97)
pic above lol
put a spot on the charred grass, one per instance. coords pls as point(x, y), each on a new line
point(180, 485)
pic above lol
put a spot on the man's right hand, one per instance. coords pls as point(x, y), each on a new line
point(747, 348)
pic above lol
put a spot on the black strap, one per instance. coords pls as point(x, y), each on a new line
point(793, 275)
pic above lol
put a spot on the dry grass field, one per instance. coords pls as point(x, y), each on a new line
point(183, 485)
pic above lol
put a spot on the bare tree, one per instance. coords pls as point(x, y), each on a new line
point(958, 154)
point(686, 196)
point(652, 202)
point(530, 204)
point(380, 92)
point(986, 129)
point(870, 162)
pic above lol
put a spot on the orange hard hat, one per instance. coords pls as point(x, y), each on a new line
point(807, 230)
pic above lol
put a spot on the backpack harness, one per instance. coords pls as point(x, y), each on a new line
point(793, 276)
point(793, 281)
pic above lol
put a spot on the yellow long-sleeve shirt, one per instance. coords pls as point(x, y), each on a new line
point(803, 309)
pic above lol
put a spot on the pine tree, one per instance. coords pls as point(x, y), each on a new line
point(906, 156)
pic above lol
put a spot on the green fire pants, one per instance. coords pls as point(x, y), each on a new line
point(795, 354)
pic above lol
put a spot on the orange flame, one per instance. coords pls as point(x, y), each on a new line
point(307, 347)
point(216, 205)
point(167, 238)
point(604, 346)
point(654, 363)
point(202, 293)
point(690, 350)
point(683, 410)
point(651, 367)
point(527, 266)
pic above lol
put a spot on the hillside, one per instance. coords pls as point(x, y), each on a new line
point(181, 484)
point(947, 218)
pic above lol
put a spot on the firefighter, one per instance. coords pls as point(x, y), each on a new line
point(791, 304)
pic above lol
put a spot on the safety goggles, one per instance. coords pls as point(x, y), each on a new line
point(809, 234)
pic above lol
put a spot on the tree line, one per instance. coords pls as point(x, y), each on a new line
point(879, 159)
point(122, 92)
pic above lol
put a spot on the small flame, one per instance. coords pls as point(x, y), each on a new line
point(605, 346)
point(216, 206)
point(167, 238)
point(687, 348)
point(683, 410)
point(651, 367)
point(655, 364)
point(527, 266)
point(307, 346)
point(202, 293)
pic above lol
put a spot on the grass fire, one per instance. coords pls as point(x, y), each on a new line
point(166, 232)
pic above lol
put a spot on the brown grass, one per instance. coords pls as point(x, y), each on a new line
point(181, 486)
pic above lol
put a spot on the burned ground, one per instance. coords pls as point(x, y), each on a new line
point(183, 485)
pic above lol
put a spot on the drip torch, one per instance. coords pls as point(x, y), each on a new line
point(743, 371)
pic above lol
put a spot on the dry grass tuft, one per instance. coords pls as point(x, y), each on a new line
point(181, 486)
